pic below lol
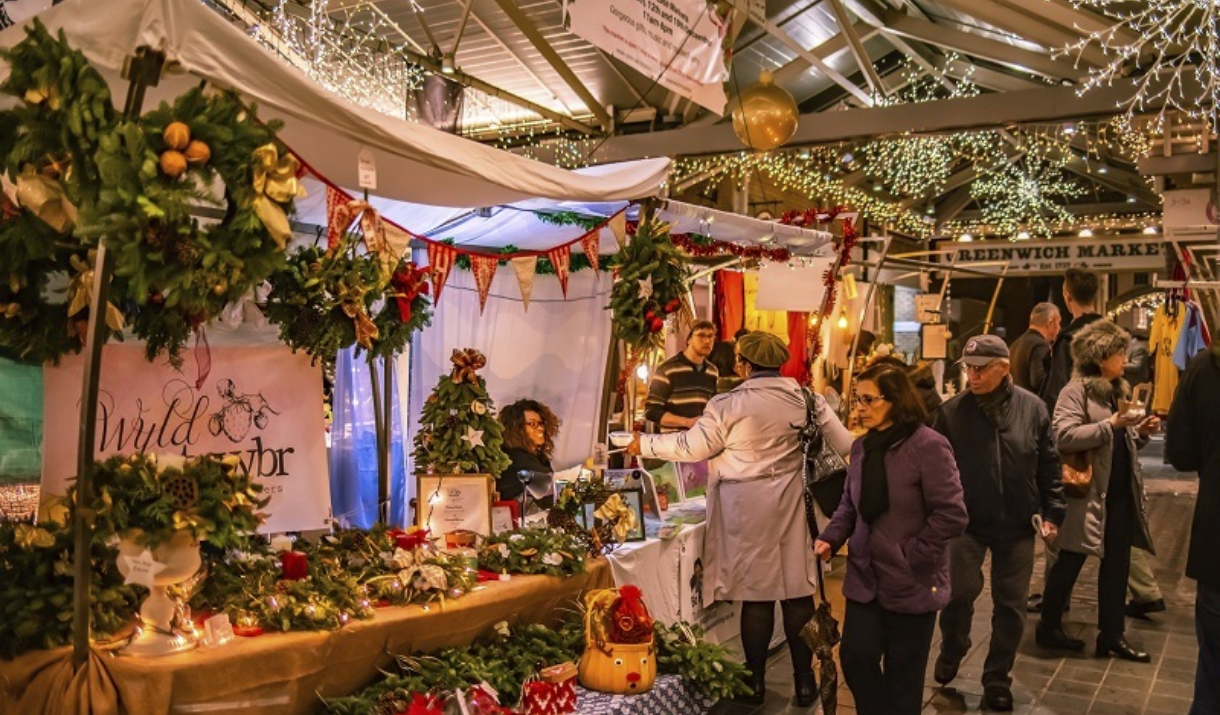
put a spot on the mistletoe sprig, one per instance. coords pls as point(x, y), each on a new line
point(534, 551)
point(651, 285)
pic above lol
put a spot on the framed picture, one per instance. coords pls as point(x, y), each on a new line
point(693, 478)
point(635, 500)
point(454, 502)
point(505, 516)
point(934, 342)
point(585, 518)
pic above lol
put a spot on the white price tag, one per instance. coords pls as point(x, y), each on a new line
point(367, 170)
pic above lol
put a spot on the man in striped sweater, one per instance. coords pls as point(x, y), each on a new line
point(683, 384)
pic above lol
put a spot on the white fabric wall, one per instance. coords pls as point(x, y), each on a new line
point(555, 353)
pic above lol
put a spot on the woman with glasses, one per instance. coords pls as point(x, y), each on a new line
point(902, 506)
point(530, 429)
point(757, 548)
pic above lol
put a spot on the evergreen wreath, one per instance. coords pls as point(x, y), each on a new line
point(651, 285)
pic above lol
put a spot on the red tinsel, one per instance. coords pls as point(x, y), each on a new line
point(295, 565)
point(718, 248)
point(409, 283)
point(423, 705)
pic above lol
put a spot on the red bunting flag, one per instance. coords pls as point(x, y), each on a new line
point(441, 257)
point(591, 242)
point(336, 214)
point(484, 268)
point(561, 258)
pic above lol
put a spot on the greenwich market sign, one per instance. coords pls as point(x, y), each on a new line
point(1140, 255)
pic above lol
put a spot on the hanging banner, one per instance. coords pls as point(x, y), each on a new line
point(1190, 208)
point(678, 41)
point(591, 242)
point(262, 404)
point(798, 287)
point(525, 267)
point(441, 257)
point(561, 259)
point(1142, 254)
point(484, 267)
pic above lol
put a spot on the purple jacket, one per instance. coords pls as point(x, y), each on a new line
point(901, 560)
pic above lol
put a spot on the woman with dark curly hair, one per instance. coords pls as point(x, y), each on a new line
point(529, 441)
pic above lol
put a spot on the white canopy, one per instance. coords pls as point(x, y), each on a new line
point(414, 162)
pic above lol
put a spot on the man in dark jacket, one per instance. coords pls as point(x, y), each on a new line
point(1001, 437)
point(1031, 353)
point(1080, 295)
point(1192, 443)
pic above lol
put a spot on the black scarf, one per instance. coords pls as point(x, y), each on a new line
point(874, 485)
point(992, 403)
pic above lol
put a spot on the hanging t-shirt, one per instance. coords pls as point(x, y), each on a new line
point(1191, 341)
point(1166, 328)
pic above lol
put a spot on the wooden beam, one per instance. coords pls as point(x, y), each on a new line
point(831, 47)
point(1071, 18)
point(556, 62)
point(1191, 163)
point(857, 48)
point(778, 33)
point(1025, 26)
point(1121, 207)
point(952, 205)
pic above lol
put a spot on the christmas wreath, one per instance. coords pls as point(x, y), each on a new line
point(80, 172)
point(325, 300)
point(650, 288)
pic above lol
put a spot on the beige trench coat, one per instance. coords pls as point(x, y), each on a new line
point(757, 545)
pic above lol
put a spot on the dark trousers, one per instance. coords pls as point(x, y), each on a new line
point(1012, 565)
point(1207, 672)
point(884, 657)
point(757, 625)
point(1111, 577)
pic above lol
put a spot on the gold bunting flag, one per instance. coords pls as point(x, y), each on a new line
point(618, 224)
point(525, 267)
point(484, 268)
point(561, 258)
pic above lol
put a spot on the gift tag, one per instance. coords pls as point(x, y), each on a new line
point(142, 569)
point(367, 170)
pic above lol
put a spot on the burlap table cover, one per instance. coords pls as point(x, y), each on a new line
point(281, 673)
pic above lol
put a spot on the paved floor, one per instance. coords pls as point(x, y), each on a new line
point(1045, 684)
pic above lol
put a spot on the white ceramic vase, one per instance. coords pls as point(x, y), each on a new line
point(157, 634)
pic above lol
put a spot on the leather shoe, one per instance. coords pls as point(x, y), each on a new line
point(997, 698)
point(806, 689)
point(1141, 609)
point(1111, 645)
point(1056, 638)
point(946, 669)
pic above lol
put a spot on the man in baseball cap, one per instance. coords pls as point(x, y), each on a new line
point(1001, 438)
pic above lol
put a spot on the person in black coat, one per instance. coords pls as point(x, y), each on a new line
point(1192, 443)
point(1031, 353)
point(530, 429)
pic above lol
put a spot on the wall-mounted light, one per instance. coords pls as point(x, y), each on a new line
point(447, 66)
point(1149, 230)
point(642, 372)
point(1023, 236)
point(1085, 233)
point(842, 320)
point(965, 238)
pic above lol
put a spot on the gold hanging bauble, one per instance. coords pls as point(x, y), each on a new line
point(764, 115)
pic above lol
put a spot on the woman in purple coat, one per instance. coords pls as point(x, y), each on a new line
point(902, 506)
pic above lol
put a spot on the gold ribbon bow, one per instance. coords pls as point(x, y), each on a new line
point(616, 511)
point(80, 292)
point(275, 183)
point(351, 300)
point(45, 198)
point(466, 364)
point(29, 537)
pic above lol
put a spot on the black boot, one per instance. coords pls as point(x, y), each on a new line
point(806, 689)
point(1118, 645)
point(757, 683)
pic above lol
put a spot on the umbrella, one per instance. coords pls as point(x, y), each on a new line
point(821, 633)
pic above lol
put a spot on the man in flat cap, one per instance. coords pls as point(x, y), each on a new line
point(757, 548)
point(1001, 438)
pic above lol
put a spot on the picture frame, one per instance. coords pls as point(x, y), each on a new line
point(934, 342)
point(505, 516)
point(635, 500)
point(454, 502)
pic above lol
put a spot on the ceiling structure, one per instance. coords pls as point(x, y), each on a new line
point(535, 87)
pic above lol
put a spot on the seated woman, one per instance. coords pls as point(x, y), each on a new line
point(529, 441)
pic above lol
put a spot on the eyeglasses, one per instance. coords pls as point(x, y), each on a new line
point(533, 424)
point(867, 400)
point(980, 369)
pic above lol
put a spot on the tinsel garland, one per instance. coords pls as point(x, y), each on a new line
point(830, 277)
point(704, 247)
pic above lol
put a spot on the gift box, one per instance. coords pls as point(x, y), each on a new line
point(558, 673)
point(539, 697)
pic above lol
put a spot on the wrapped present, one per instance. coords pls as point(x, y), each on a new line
point(539, 697)
point(558, 673)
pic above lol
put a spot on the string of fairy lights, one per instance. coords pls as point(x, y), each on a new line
point(1146, 222)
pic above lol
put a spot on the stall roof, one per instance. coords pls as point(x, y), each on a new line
point(415, 163)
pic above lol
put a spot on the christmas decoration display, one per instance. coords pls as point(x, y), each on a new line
point(83, 173)
point(1022, 194)
point(609, 665)
point(610, 527)
point(651, 286)
point(534, 551)
point(764, 115)
point(458, 429)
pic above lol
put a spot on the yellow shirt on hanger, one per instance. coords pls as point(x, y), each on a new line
point(767, 321)
point(1166, 329)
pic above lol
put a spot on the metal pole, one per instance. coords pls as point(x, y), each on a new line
point(855, 341)
point(384, 470)
point(143, 71)
point(994, 297)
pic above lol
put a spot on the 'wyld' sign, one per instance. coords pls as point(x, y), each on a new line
point(262, 404)
point(1142, 254)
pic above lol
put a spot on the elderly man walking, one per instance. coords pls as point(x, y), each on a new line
point(1031, 353)
point(1001, 438)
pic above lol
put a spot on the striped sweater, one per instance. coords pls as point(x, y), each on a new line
point(680, 387)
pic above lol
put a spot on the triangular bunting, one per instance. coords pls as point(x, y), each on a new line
point(441, 257)
point(526, 267)
point(591, 242)
point(337, 216)
point(618, 224)
point(561, 258)
point(484, 268)
point(397, 239)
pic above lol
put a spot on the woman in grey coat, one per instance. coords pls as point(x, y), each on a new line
point(1108, 519)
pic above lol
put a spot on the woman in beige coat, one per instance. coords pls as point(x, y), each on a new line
point(1109, 519)
point(757, 548)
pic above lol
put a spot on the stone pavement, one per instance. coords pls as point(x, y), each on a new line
point(1045, 684)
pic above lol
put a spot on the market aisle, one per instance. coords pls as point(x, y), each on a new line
point(1079, 685)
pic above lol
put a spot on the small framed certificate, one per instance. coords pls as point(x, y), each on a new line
point(934, 342)
point(454, 502)
point(505, 516)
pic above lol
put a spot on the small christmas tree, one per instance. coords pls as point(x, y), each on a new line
point(458, 431)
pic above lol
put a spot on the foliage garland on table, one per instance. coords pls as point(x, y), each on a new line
point(85, 173)
point(651, 286)
point(36, 588)
point(212, 499)
point(534, 551)
point(325, 300)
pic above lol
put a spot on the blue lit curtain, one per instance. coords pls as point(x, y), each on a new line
point(353, 451)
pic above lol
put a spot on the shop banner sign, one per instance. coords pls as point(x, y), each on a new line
point(678, 41)
point(262, 404)
point(1190, 208)
point(1143, 254)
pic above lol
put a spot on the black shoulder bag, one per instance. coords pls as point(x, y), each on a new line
point(825, 470)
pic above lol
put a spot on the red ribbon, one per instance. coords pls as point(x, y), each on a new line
point(409, 283)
